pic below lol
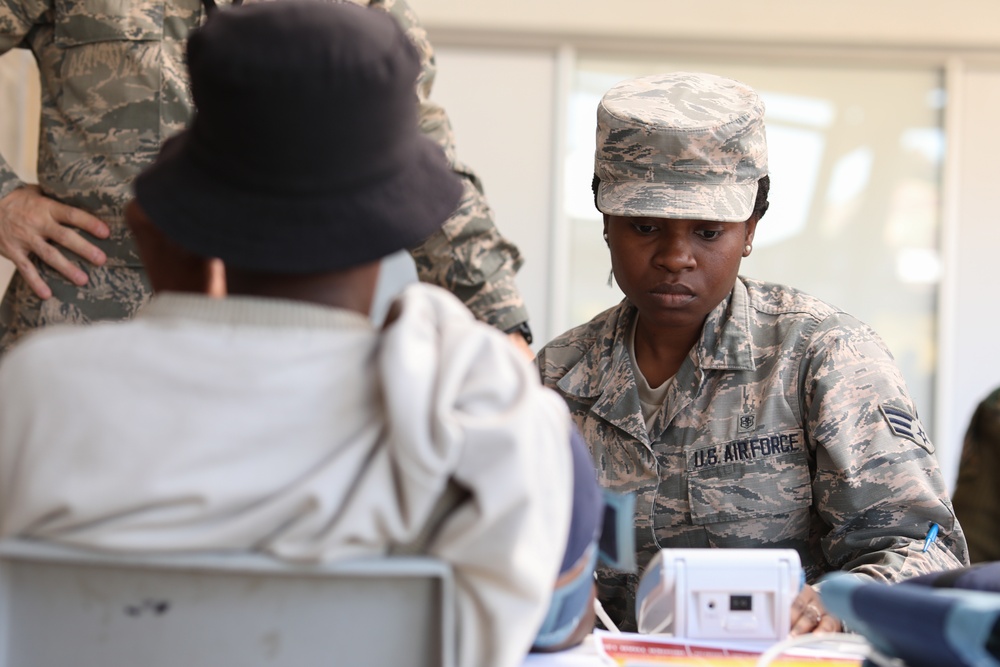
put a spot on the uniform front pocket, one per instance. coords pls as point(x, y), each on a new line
point(753, 479)
point(109, 75)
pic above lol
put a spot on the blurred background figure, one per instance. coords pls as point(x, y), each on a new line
point(977, 491)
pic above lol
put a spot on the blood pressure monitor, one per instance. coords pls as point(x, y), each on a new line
point(719, 593)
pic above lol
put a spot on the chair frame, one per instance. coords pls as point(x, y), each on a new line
point(66, 606)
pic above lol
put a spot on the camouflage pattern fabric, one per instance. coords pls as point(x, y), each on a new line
point(680, 145)
point(977, 492)
point(468, 256)
point(114, 87)
point(788, 426)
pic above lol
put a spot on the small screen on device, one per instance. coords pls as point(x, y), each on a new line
point(740, 603)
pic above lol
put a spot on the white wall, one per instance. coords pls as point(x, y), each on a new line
point(502, 107)
point(511, 150)
point(966, 24)
point(971, 355)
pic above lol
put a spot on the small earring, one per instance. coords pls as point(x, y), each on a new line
point(605, 237)
point(611, 274)
point(747, 249)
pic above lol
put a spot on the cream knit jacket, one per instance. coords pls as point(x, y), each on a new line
point(298, 431)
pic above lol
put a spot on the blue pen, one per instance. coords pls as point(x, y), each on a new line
point(931, 536)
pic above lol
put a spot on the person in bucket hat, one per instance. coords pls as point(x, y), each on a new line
point(252, 404)
point(740, 413)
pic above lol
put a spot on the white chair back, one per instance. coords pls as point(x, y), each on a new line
point(63, 607)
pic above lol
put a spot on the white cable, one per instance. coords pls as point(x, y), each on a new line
point(609, 625)
point(839, 641)
point(667, 622)
point(605, 619)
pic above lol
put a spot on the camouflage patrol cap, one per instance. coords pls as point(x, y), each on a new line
point(680, 145)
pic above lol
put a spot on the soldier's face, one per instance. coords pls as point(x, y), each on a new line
point(676, 271)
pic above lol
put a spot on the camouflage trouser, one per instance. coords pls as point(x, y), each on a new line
point(616, 592)
point(113, 293)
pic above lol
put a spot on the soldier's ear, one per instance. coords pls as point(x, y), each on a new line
point(750, 229)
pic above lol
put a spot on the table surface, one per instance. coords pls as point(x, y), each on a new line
point(584, 655)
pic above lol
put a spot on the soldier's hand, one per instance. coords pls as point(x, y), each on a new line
point(33, 224)
point(809, 614)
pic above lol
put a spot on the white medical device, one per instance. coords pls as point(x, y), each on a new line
point(719, 593)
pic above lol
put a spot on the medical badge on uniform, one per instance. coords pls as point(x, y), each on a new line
point(906, 425)
point(747, 421)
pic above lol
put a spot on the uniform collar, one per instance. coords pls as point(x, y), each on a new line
point(605, 372)
point(726, 342)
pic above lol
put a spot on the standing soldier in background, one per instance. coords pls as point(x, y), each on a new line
point(113, 88)
point(977, 491)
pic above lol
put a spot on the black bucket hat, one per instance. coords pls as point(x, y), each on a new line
point(304, 154)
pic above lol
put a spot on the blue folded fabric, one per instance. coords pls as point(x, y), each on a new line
point(920, 624)
point(601, 526)
point(980, 577)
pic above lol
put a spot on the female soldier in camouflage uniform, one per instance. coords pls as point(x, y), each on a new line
point(740, 413)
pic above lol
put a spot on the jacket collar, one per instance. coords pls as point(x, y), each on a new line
point(726, 342)
point(605, 372)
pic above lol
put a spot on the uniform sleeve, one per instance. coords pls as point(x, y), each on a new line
point(16, 20)
point(877, 482)
point(468, 256)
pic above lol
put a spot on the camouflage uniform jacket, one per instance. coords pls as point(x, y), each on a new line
point(114, 87)
point(977, 492)
point(788, 425)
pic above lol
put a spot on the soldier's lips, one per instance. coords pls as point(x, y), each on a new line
point(672, 295)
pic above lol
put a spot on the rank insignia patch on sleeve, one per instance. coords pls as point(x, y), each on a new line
point(906, 425)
